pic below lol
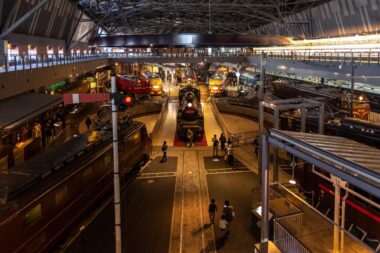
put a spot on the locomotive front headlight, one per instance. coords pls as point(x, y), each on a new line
point(156, 86)
point(189, 104)
point(215, 88)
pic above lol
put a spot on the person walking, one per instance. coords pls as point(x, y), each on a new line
point(164, 148)
point(212, 209)
point(223, 225)
point(229, 214)
point(190, 137)
point(230, 155)
point(215, 144)
point(88, 123)
point(222, 141)
point(256, 144)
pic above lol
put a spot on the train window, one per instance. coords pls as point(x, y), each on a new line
point(87, 174)
point(33, 215)
point(60, 195)
point(107, 159)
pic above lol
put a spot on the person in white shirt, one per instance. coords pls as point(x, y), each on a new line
point(223, 224)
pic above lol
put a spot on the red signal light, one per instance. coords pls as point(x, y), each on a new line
point(128, 100)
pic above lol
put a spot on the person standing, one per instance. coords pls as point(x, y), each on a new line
point(229, 214)
point(215, 144)
point(88, 123)
point(229, 142)
point(164, 148)
point(190, 137)
point(256, 144)
point(212, 209)
point(230, 155)
point(222, 141)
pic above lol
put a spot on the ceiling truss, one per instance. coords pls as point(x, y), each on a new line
point(189, 16)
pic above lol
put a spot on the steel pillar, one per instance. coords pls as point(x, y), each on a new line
point(116, 178)
point(336, 215)
point(276, 125)
point(261, 130)
point(321, 123)
point(303, 120)
point(352, 89)
point(264, 194)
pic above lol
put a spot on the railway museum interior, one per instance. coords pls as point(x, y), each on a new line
point(157, 126)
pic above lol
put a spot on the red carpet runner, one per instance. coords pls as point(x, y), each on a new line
point(180, 143)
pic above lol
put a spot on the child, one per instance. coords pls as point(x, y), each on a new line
point(223, 224)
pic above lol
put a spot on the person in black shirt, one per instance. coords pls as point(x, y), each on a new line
point(164, 149)
point(212, 208)
point(222, 141)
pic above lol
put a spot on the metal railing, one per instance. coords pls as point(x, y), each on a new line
point(9, 62)
point(286, 242)
point(236, 138)
point(161, 119)
point(366, 57)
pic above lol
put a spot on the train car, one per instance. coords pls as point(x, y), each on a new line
point(186, 75)
point(190, 113)
point(248, 78)
point(155, 82)
point(217, 83)
point(46, 197)
point(136, 85)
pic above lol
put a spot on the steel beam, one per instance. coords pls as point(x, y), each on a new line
point(23, 18)
point(264, 194)
point(318, 162)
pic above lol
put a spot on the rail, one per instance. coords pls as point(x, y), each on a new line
point(366, 57)
point(286, 242)
point(15, 62)
point(220, 119)
point(161, 119)
point(236, 138)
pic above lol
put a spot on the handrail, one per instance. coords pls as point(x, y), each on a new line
point(14, 62)
point(367, 57)
point(160, 121)
point(219, 119)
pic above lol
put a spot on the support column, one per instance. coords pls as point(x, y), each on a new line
point(276, 125)
point(336, 215)
point(321, 123)
point(262, 77)
point(303, 120)
point(261, 130)
point(264, 195)
point(3, 52)
point(352, 89)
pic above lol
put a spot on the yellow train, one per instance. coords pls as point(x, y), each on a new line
point(217, 82)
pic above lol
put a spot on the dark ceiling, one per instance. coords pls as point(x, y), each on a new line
point(190, 16)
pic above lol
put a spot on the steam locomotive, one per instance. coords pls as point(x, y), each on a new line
point(190, 113)
point(43, 199)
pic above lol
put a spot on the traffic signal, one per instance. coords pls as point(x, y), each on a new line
point(125, 101)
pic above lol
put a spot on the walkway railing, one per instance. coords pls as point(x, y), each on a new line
point(286, 242)
point(9, 62)
point(161, 120)
point(236, 138)
point(366, 57)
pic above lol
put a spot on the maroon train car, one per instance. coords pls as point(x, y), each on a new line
point(136, 85)
point(46, 197)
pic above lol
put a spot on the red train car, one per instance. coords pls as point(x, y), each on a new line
point(134, 84)
point(43, 199)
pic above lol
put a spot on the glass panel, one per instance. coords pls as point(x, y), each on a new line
point(33, 215)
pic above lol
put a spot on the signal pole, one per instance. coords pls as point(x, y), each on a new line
point(116, 178)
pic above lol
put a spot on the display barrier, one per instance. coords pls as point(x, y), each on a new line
point(161, 119)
